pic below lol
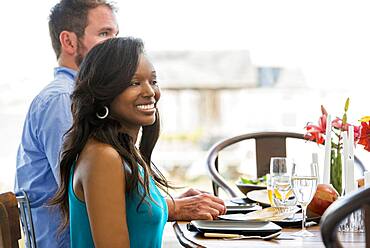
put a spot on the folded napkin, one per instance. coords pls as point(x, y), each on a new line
point(266, 214)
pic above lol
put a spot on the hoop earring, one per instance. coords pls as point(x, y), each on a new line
point(103, 116)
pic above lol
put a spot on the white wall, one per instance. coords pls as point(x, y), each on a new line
point(327, 40)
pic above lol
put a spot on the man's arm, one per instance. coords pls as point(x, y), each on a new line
point(55, 120)
point(195, 205)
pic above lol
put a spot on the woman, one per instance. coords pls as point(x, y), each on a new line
point(108, 190)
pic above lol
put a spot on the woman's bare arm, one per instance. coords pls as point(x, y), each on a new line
point(102, 179)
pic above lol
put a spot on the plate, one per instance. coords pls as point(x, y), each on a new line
point(259, 196)
point(236, 227)
point(242, 208)
point(266, 214)
point(296, 221)
point(239, 201)
point(245, 188)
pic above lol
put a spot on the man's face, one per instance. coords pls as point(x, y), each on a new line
point(101, 25)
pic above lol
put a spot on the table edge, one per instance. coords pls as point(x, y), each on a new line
point(184, 241)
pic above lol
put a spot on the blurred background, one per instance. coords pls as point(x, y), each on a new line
point(226, 67)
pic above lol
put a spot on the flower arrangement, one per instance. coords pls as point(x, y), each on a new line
point(339, 125)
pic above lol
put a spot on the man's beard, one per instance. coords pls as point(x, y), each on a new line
point(80, 53)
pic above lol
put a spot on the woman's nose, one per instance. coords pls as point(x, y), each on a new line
point(148, 90)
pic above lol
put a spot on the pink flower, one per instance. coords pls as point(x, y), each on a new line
point(338, 124)
point(317, 132)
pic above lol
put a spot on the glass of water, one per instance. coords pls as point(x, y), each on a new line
point(281, 189)
point(304, 183)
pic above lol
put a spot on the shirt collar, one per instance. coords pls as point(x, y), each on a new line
point(66, 71)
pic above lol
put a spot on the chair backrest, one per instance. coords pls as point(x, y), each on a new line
point(13, 210)
point(26, 218)
point(268, 144)
point(339, 210)
point(9, 221)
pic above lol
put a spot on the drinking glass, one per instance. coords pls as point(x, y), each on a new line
point(281, 190)
point(270, 189)
point(304, 184)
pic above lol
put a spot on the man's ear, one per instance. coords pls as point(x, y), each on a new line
point(69, 42)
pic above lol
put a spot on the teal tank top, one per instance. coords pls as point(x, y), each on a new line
point(145, 225)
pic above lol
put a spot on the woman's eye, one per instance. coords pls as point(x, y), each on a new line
point(134, 83)
point(155, 82)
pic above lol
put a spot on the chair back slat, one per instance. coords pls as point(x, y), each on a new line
point(367, 224)
point(10, 225)
point(267, 147)
point(5, 240)
point(26, 217)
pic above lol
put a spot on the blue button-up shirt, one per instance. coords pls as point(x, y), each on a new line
point(37, 172)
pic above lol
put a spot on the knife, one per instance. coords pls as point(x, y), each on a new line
point(240, 236)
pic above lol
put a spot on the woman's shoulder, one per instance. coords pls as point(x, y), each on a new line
point(95, 147)
point(98, 155)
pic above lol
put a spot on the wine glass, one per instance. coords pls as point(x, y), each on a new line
point(304, 184)
point(281, 190)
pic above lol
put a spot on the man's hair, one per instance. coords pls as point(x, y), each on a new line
point(71, 15)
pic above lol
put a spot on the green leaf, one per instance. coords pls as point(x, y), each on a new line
point(346, 105)
point(258, 181)
point(247, 181)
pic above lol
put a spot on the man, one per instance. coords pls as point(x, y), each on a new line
point(75, 27)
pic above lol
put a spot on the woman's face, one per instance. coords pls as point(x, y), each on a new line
point(135, 106)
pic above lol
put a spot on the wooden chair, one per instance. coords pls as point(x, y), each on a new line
point(268, 144)
point(9, 221)
point(14, 209)
point(339, 210)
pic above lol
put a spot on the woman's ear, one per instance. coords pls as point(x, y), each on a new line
point(69, 42)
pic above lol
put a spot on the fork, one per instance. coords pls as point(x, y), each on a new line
point(229, 236)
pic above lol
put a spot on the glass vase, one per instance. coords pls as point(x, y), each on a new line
point(336, 170)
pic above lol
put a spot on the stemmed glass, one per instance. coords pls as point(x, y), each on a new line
point(281, 189)
point(304, 184)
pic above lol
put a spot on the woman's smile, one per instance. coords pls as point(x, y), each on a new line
point(147, 108)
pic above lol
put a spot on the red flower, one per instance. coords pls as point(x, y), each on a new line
point(365, 135)
point(315, 132)
point(314, 136)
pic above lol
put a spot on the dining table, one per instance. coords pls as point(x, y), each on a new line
point(189, 238)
